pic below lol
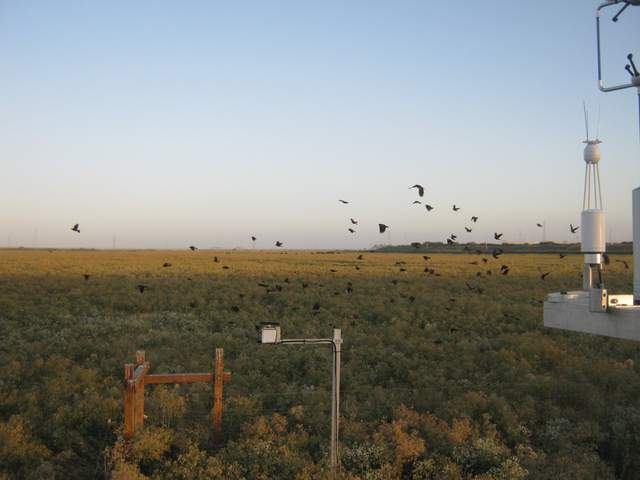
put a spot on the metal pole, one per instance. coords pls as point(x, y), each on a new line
point(335, 403)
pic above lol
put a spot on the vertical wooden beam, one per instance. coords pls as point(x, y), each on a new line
point(218, 378)
point(129, 406)
point(139, 392)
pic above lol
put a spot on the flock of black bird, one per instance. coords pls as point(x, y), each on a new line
point(382, 228)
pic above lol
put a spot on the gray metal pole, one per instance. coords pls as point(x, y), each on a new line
point(335, 410)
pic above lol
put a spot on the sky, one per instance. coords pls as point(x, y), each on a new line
point(164, 124)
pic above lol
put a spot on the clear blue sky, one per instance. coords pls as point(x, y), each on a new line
point(174, 123)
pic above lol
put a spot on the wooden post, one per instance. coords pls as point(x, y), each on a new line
point(129, 406)
point(219, 377)
point(139, 391)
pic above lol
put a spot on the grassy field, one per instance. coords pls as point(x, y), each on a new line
point(446, 374)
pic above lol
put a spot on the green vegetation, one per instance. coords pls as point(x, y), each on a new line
point(439, 382)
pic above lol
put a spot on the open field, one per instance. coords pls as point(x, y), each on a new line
point(439, 381)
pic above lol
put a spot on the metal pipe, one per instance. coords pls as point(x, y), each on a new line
point(599, 187)
point(335, 423)
point(335, 343)
point(584, 194)
point(600, 81)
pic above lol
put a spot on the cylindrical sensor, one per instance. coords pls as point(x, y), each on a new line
point(592, 228)
point(636, 246)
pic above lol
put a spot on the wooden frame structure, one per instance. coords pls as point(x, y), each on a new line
point(136, 376)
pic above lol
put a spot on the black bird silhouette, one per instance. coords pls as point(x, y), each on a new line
point(279, 243)
point(382, 227)
point(428, 207)
point(416, 202)
point(76, 228)
point(626, 265)
point(561, 255)
point(216, 259)
point(484, 260)
point(166, 264)
point(420, 189)
point(505, 271)
point(86, 276)
point(453, 236)
point(192, 248)
point(469, 230)
point(474, 219)
point(497, 252)
point(450, 242)
point(573, 229)
point(351, 230)
point(497, 235)
point(504, 267)
point(235, 308)
point(253, 239)
point(455, 209)
point(544, 275)
point(354, 222)
point(224, 267)
point(316, 307)
point(426, 257)
point(141, 288)
point(264, 285)
point(539, 225)
point(360, 257)
point(343, 202)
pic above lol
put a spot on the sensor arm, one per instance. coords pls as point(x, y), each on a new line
point(601, 85)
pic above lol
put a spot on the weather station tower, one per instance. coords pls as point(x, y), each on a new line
point(593, 309)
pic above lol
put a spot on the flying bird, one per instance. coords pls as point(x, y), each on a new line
point(474, 219)
point(450, 242)
point(344, 202)
point(428, 207)
point(253, 239)
point(141, 288)
point(539, 225)
point(354, 222)
point(192, 248)
point(469, 230)
point(497, 252)
point(626, 265)
point(497, 235)
point(86, 277)
point(360, 257)
point(416, 202)
point(76, 228)
point(561, 255)
point(216, 259)
point(544, 275)
point(454, 236)
point(351, 230)
point(279, 243)
point(166, 264)
point(420, 189)
point(455, 209)
point(382, 227)
point(573, 229)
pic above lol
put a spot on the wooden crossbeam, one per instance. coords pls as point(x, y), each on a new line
point(178, 378)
